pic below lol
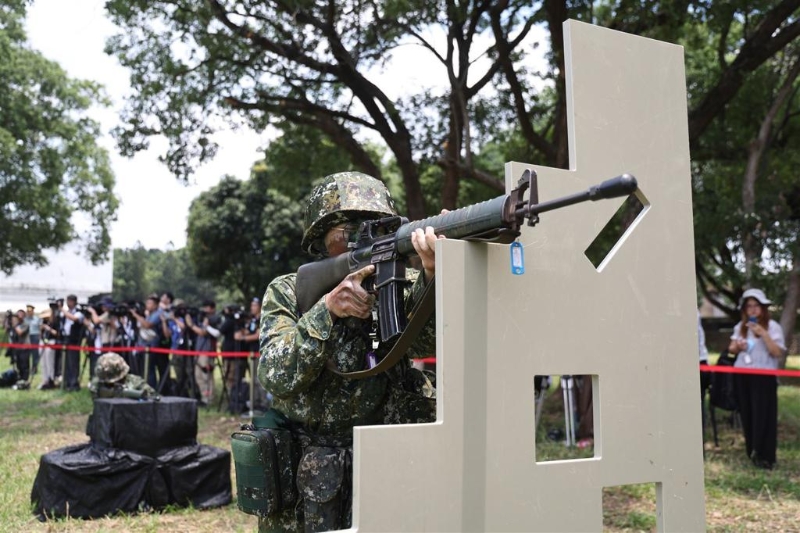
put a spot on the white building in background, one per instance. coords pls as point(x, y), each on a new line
point(68, 272)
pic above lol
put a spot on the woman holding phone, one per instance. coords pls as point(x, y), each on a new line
point(759, 343)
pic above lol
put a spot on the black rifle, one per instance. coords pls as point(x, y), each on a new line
point(116, 390)
point(386, 243)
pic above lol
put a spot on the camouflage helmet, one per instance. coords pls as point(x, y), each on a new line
point(111, 367)
point(340, 198)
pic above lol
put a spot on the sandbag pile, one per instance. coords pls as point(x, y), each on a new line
point(142, 455)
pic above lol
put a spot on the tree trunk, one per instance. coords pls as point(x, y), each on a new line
point(757, 148)
point(415, 202)
point(557, 13)
point(452, 151)
point(451, 174)
point(791, 303)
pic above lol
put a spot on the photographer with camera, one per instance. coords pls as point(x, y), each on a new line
point(151, 331)
point(106, 329)
point(57, 323)
point(7, 319)
point(233, 320)
point(48, 358)
point(248, 336)
point(71, 334)
point(34, 332)
point(127, 333)
point(206, 333)
point(182, 338)
point(22, 356)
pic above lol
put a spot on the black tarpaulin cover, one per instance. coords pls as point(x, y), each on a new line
point(143, 426)
point(85, 481)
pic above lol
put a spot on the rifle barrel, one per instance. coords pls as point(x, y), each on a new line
point(615, 187)
point(458, 224)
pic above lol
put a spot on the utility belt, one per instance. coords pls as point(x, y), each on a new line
point(279, 464)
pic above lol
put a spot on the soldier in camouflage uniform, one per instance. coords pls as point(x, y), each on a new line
point(322, 406)
point(113, 380)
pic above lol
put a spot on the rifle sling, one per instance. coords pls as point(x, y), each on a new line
point(419, 316)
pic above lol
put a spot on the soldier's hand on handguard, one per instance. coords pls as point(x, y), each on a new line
point(349, 298)
point(424, 243)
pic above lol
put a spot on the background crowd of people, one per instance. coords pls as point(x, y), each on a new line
point(136, 328)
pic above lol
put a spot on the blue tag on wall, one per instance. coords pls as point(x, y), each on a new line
point(517, 259)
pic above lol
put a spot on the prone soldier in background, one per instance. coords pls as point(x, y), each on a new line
point(112, 379)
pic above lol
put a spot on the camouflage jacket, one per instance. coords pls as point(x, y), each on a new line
point(131, 383)
point(294, 351)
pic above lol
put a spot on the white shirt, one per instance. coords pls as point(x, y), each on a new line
point(66, 326)
point(758, 352)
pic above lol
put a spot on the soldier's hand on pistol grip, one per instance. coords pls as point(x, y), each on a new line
point(349, 298)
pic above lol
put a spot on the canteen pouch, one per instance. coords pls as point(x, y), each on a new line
point(266, 461)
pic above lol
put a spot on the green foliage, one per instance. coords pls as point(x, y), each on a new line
point(242, 234)
point(719, 165)
point(296, 159)
point(139, 272)
point(50, 164)
point(131, 274)
point(195, 66)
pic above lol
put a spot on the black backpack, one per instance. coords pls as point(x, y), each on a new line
point(722, 391)
point(9, 378)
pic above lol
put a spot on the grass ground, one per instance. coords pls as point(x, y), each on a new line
point(35, 422)
point(739, 497)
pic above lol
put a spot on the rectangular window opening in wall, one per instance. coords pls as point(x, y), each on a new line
point(631, 507)
point(565, 417)
point(600, 250)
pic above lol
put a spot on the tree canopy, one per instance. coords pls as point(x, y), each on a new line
point(50, 164)
point(313, 64)
point(139, 272)
point(242, 234)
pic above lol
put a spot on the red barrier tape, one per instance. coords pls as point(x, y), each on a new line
point(707, 368)
point(431, 360)
point(119, 349)
point(753, 371)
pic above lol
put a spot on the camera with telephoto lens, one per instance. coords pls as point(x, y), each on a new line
point(120, 310)
point(237, 313)
point(183, 310)
point(84, 308)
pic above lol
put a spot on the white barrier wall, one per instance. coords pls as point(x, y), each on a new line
point(632, 324)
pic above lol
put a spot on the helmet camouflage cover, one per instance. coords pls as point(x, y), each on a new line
point(110, 368)
point(340, 198)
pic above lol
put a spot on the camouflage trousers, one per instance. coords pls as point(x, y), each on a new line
point(324, 483)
